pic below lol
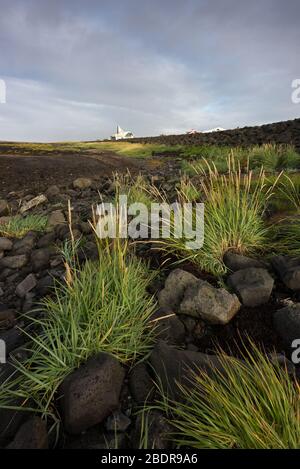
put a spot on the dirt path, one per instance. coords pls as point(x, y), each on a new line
point(18, 172)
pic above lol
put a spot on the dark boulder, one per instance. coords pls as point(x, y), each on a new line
point(287, 323)
point(168, 327)
point(288, 270)
point(176, 283)
point(236, 261)
point(91, 393)
point(213, 305)
point(252, 285)
point(171, 366)
point(140, 384)
point(31, 435)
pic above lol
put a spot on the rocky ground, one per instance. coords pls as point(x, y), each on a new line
point(99, 401)
point(287, 132)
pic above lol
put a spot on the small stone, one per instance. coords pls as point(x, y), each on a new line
point(52, 192)
point(40, 199)
point(4, 208)
point(82, 183)
point(56, 218)
point(7, 318)
point(46, 240)
point(56, 261)
point(26, 285)
point(117, 422)
point(24, 245)
point(40, 259)
point(28, 302)
point(5, 244)
point(13, 338)
point(61, 231)
point(44, 285)
point(14, 262)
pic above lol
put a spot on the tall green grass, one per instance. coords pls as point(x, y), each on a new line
point(102, 306)
point(136, 189)
point(233, 215)
point(285, 233)
point(251, 404)
point(269, 156)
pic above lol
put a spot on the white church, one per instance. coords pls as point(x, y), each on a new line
point(121, 134)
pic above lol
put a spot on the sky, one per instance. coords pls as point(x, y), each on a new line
point(74, 69)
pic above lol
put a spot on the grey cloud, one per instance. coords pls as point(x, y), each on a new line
point(76, 68)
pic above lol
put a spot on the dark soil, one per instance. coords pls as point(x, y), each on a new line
point(20, 172)
point(250, 323)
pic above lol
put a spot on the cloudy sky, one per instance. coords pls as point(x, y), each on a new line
point(76, 68)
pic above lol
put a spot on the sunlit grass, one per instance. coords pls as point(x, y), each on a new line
point(17, 227)
point(233, 216)
point(250, 404)
point(271, 157)
point(102, 306)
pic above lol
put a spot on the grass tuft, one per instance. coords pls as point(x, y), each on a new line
point(17, 227)
point(102, 306)
point(233, 215)
point(251, 404)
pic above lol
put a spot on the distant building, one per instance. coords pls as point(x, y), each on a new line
point(192, 132)
point(121, 134)
point(216, 129)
